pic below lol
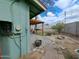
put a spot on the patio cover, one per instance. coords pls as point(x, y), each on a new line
point(35, 21)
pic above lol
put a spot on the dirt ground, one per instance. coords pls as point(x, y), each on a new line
point(55, 47)
point(33, 55)
point(68, 43)
point(48, 47)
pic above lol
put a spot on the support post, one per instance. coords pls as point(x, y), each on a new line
point(42, 29)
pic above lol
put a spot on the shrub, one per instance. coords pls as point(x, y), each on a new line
point(48, 34)
point(58, 27)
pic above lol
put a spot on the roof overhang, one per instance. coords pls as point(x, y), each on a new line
point(36, 7)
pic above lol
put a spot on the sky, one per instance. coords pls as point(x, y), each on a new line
point(56, 9)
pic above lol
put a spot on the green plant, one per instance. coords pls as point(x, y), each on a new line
point(58, 27)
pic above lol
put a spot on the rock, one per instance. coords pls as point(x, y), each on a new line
point(63, 48)
point(60, 37)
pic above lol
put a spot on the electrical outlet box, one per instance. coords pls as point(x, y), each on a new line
point(17, 30)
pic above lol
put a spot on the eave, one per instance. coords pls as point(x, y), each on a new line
point(36, 7)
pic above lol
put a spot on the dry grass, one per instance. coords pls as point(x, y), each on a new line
point(67, 54)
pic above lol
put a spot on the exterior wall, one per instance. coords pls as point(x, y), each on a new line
point(18, 14)
point(72, 28)
point(78, 28)
point(5, 10)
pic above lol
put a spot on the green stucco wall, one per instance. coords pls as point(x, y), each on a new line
point(18, 14)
